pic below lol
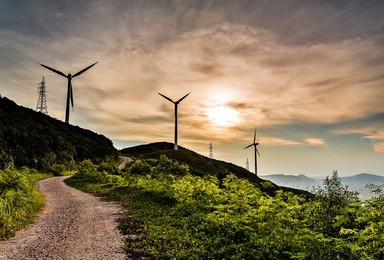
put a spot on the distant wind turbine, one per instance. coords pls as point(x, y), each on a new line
point(176, 104)
point(69, 89)
point(254, 144)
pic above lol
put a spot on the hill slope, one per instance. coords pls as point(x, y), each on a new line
point(202, 165)
point(32, 139)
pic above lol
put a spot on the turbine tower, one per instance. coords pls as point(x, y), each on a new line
point(254, 144)
point(210, 151)
point(69, 89)
point(41, 105)
point(176, 104)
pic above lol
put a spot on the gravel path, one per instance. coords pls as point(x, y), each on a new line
point(73, 225)
point(124, 162)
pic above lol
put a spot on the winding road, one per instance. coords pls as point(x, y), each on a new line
point(124, 161)
point(73, 225)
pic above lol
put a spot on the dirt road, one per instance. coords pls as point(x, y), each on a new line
point(124, 162)
point(73, 225)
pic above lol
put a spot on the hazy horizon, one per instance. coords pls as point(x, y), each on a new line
point(308, 75)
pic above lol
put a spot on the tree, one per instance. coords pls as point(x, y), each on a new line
point(332, 202)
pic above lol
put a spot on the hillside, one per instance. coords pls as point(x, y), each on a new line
point(201, 165)
point(29, 138)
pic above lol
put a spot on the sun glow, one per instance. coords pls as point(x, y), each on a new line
point(223, 116)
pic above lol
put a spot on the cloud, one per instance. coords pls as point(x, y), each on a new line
point(379, 147)
point(315, 141)
point(294, 79)
point(376, 135)
point(279, 141)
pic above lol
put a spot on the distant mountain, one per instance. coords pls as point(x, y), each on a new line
point(364, 178)
point(354, 183)
point(294, 181)
point(29, 138)
point(202, 165)
point(288, 178)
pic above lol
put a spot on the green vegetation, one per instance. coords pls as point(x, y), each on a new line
point(29, 138)
point(19, 200)
point(202, 166)
point(175, 214)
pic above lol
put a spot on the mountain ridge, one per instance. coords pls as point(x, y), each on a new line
point(356, 182)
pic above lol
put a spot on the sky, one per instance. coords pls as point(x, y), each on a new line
point(309, 75)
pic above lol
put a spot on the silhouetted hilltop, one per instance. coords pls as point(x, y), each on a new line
point(32, 139)
point(201, 165)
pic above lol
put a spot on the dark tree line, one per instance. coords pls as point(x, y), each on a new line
point(29, 138)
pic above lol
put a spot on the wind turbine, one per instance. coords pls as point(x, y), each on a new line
point(69, 89)
point(254, 144)
point(176, 104)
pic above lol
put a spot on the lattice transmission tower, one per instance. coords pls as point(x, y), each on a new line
point(247, 164)
point(210, 151)
point(42, 100)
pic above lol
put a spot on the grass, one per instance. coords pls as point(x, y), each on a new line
point(20, 200)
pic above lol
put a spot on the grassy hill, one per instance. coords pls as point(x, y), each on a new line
point(201, 165)
point(29, 138)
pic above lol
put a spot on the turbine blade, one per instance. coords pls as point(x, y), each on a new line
point(248, 146)
point(257, 151)
point(52, 69)
point(71, 89)
point(178, 101)
point(166, 97)
point(254, 136)
point(84, 70)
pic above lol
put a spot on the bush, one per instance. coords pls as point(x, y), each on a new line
point(58, 169)
point(6, 161)
point(88, 173)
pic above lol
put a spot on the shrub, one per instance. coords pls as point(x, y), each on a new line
point(58, 169)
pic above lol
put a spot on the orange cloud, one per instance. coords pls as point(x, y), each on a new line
point(379, 147)
point(315, 141)
point(378, 135)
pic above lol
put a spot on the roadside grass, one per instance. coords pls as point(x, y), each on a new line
point(20, 199)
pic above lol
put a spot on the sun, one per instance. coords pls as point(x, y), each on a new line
point(223, 116)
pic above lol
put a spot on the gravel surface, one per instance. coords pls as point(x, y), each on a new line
point(124, 162)
point(73, 225)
